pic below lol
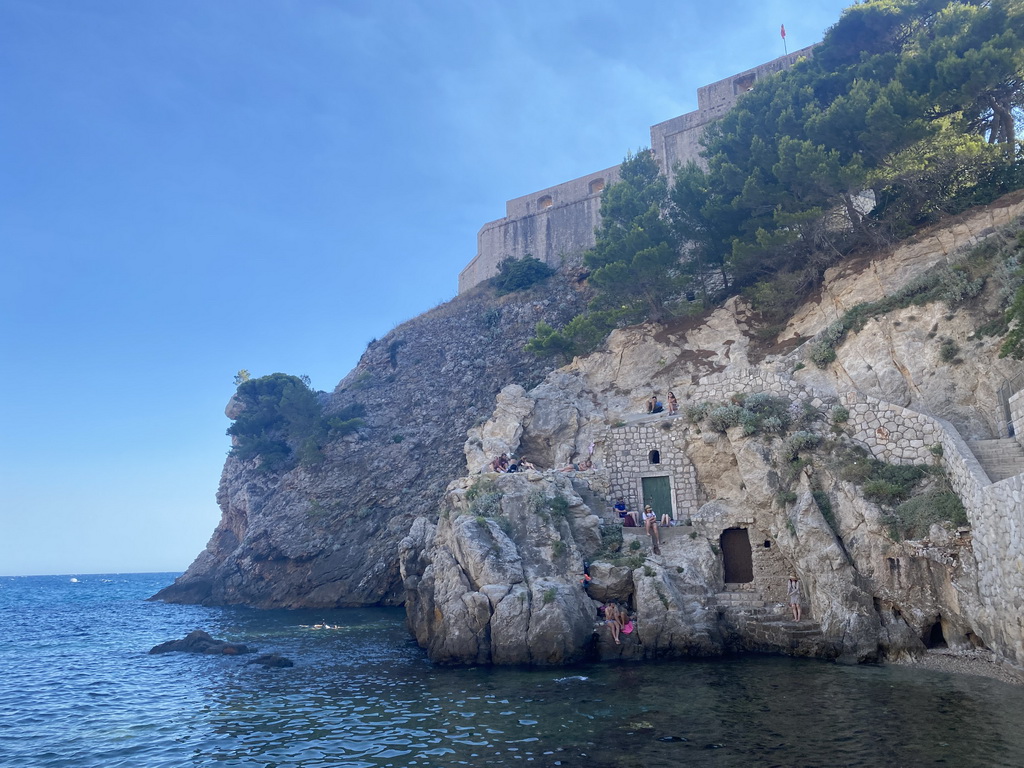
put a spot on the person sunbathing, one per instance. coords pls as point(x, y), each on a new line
point(583, 466)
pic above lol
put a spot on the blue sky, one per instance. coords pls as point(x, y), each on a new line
point(192, 187)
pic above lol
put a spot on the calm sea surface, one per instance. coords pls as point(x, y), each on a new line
point(78, 689)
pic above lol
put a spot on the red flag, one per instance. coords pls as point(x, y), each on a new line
point(782, 31)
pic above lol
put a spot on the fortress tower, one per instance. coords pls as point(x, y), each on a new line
point(558, 222)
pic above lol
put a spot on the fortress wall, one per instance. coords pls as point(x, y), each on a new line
point(561, 194)
point(559, 221)
point(677, 141)
point(550, 225)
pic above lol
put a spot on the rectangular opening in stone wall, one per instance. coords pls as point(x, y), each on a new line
point(736, 557)
point(657, 491)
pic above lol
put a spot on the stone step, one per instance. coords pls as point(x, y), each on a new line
point(1001, 458)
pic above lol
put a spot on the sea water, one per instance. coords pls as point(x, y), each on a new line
point(79, 690)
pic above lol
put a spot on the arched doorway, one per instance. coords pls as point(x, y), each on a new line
point(736, 559)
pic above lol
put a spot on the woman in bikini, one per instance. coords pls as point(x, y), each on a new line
point(612, 621)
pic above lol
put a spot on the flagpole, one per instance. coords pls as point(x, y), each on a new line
point(782, 31)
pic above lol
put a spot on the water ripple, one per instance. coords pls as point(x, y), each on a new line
point(80, 691)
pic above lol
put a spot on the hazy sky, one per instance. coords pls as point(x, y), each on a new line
point(192, 187)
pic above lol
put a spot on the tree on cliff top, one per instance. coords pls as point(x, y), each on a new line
point(282, 422)
point(634, 265)
point(913, 100)
point(906, 111)
point(634, 261)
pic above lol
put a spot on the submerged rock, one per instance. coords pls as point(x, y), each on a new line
point(275, 660)
point(199, 641)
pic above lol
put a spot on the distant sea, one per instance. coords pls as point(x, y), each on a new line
point(79, 690)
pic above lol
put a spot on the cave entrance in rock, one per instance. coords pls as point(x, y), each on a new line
point(736, 558)
point(934, 638)
point(657, 492)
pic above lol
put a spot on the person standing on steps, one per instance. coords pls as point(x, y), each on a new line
point(793, 592)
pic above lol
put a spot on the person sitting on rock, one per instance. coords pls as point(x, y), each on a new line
point(611, 620)
point(628, 518)
point(500, 464)
point(654, 405)
point(651, 525)
point(521, 465)
point(673, 405)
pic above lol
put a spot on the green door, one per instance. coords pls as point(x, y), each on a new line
point(658, 493)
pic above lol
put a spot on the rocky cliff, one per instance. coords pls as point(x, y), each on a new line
point(771, 455)
point(329, 536)
point(911, 391)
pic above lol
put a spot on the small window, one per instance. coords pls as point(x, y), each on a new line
point(654, 457)
point(545, 202)
point(596, 186)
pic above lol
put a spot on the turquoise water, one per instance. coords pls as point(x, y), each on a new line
point(79, 690)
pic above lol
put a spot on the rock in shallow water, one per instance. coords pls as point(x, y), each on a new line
point(199, 641)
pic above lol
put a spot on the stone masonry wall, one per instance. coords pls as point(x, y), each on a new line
point(1017, 415)
point(677, 141)
point(628, 460)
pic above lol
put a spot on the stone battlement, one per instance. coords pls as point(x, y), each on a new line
point(558, 223)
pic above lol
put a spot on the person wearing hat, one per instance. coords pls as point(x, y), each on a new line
point(651, 524)
point(793, 592)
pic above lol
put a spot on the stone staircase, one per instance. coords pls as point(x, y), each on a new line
point(760, 627)
point(1000, 458)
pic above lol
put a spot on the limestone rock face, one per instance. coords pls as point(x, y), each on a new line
point(328, 536)
point(507, 588)
point(503, 589)
point(390, 518)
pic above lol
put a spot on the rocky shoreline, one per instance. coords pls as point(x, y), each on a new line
point(978, 663)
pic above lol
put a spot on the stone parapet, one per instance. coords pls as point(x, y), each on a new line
point(1017, 415)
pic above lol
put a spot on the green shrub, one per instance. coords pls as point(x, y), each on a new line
point(558, 506)
point(787, 497)
point(696, 412)
point(913, 518)
point(723, 417)
point(840, 415)
point(797, 442)
point(520, 274)
point(484, 498)
point(948, 350)
point(824, 504)
point(558, 548)
point(549, 595)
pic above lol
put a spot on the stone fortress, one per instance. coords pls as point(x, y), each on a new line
point(559, 221)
